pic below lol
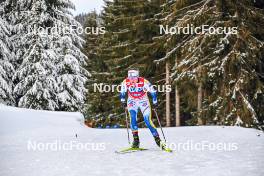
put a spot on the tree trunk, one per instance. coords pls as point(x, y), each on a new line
point(200, 96)
point(199, 107)
point(177, 106)
point(167, 95)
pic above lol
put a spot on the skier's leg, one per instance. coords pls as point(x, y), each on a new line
point(133, 120)
point(146, 111)
point(133, 109)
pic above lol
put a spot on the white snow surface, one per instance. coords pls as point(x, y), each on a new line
point(18, 126)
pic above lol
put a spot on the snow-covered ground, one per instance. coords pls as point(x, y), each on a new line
point(240, 150)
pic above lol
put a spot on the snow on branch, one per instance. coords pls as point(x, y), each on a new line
point(250, 108)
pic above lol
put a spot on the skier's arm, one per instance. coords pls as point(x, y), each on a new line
point(123, 92)
point(149, 87)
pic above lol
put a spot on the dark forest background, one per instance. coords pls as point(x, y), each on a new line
point(216, 79)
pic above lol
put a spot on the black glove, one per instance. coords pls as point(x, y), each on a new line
point(124, 104)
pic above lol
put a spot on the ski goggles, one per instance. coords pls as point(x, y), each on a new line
point(133, 74)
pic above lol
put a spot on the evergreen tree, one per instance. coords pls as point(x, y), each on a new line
point(96, 106)
point(130, 27)
point(71, 76)
point(99, 105)
point(81, 18)
point(49, 73)
point(227, 68)
point(6, 59)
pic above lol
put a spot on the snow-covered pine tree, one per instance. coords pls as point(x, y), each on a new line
point(71, 75)
point(49, 73)
point(229, 66)
point(6, 59)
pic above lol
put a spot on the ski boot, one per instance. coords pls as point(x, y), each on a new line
point(136, 142)
point(161, 144)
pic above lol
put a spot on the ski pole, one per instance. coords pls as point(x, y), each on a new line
point(128, 138)
point(159, 124)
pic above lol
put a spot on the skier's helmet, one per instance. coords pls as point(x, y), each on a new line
point(133, 73)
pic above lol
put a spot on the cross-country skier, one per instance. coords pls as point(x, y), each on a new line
point(137, 89)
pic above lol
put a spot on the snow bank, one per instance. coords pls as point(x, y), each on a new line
point(15, 120)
